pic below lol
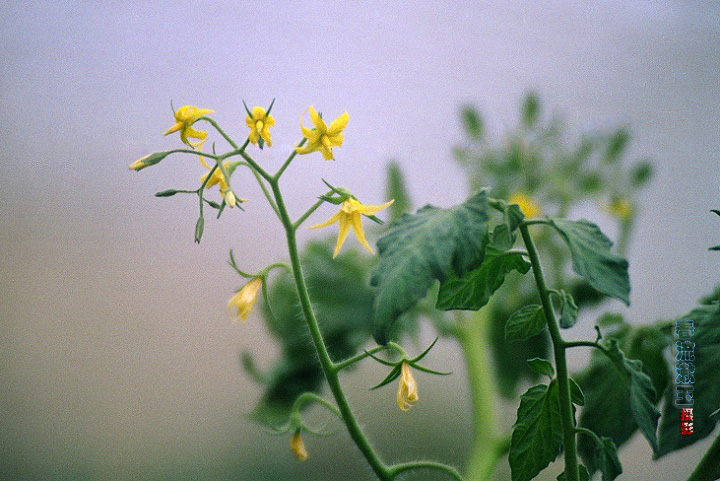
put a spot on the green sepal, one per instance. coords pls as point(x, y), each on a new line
point(542, 366)
point(394, 374)
point(422, 248)
point(568, 310)
point(592, 259)
point(199, 228)
point(166, 193)
point(526, 322)
point(473, 290)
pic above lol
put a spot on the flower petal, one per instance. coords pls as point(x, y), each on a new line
point(328, 222)
point(373, 209)
point(356, 219)
point(258, 113)
point(316, 120)
point(336, 140)
point(174, 128)
point(253, 136)
point(342, 235)
point(338, 124)
point(265, 134)
point(327, 153)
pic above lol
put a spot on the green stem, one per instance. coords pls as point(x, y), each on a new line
point(309, 212)
point(289, 159)
point(473, 335)
point(566, 410)
point(585, 343)
point(222, 132)
point(709, 467)
point(399, 468)
point(339, 366)
point(326, 363)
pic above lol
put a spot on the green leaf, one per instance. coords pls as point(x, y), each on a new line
point(472, 122)
point(395, 189)
point(568, 310)
point(706, 390)
point(606, 459)
point(542, 366)
point(199, 228)
point(537, 434)
point(640, 173)
point(503, 237)
point(526, 322)
point(473, 290)
point(576, 394)
point(592, 259)
point(582, 472)
point(420, 248)
point(642, 393)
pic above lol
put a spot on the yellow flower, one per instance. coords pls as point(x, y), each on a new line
point(529, 207)
point(351, 214)
point(298, 447)
point(140, 163)
point(620, 208)
point(245, 299)
point(260, 124)
point(219, 179)
point(185, 117)
point(407, 390)
point(322, 138)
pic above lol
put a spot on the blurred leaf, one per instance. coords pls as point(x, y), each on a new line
point(528, 321)
point(423, 247)
point(606, 459)
point(640, 173)
point(592, 259)
point(472, 122)
point(537, 434)
point(530, 110)
point(396, 189)
point(568, 311)
point(617, 145)
point(473, 290)
point(542, 366)
point(591, 182)
point(706, 390)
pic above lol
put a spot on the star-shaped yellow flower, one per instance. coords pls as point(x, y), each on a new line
point(407, 389)
point(219, 179)
point(185, 117)
point(351, 214)
point(245, 299)
point(527, 205)
point(260, 123)
point(322, 137)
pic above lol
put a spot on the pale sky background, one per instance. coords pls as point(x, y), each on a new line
point(117, 357)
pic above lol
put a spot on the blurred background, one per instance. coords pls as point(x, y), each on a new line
point(118, 359)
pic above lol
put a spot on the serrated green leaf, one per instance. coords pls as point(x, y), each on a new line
point(606, 459)
point(642, 393)
point(537, 434)
point(396, 189)
point(706, 390)
point(568, 310)
point(526, 322)
point(542, 366)
point(592, 259)
point(473, 290)
point(582, 473)
point(419, 249)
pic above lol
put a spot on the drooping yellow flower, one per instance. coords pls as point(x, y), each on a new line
point(185, 117)
point(407, 389)
point(260, 124)
point(219, 179)
point(245, 299)
point(620, 208)
point(351, 214)
point(527, 205)
point(322, 137)
point(298, 447)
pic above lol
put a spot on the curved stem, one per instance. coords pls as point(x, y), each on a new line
point(400, 468)
point(585, 343)
point(326, 363)
point(307, 397)
point(339, 366)
point(566, 410)
point(222, 132)
point(473, 334)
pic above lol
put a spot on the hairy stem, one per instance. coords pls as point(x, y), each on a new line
point(566, 412)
